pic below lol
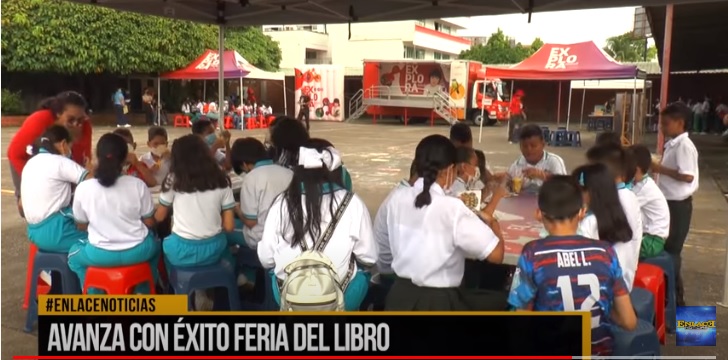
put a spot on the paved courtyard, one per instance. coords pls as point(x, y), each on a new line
point(380, 155)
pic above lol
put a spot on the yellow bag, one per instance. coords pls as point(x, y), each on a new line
point(126, 109)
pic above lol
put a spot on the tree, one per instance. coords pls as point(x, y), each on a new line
point(63, 37)
point(499, 50)
point(629, 48)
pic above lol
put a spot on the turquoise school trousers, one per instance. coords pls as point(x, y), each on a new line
point(83, 255)
point(181, 252)
point(353, 295)
point(57, 233)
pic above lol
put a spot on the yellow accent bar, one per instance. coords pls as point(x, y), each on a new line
point(112, 305)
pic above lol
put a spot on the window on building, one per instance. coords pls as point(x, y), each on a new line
point(409, 52)
point(441, 56)
point(438, 26)
point(311, 54)
point(419, 54)
point(420, 22)
point(446, 29)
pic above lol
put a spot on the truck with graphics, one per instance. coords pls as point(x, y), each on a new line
point(457, 90)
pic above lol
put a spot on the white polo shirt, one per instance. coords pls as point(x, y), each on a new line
point(352, 236)
point(550, 163)
point(261, 187)
point(150, 162)
point(655, 213)
point(114, 214)
point(680, 154)
point(197, 215)
point(380, 228)
point(429, 245)
point(46, 185)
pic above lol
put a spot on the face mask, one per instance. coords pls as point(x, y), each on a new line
point(210, 139)
point(474, 180)
point(159, 150)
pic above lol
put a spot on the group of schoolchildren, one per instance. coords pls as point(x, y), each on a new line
point(209, 111)
point(297, 198)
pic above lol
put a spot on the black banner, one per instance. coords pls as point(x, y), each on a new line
point(370, 335)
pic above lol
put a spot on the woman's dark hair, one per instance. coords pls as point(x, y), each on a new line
point(57, 103)
point(482, 166)
point(604, 202)
point(287, 135)
point(53, 135)
point(433, 154)
point(619, 161)
point(464, 154)
point(247, 151)
point(192, 167)
point(125, 133)
point(305, 216)
point(111, 152)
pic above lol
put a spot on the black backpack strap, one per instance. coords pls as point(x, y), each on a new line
point(323, 240)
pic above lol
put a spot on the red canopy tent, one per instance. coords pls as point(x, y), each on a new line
point(206, 66)
point(579, 61)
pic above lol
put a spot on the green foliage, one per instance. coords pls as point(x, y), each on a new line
point(628, 48)
point(63, 37)
point(12, 102)
point(498, 50)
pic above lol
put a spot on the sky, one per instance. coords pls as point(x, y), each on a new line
point(563, 27)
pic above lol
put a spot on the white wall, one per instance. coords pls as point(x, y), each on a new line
point(383, 40)
point(293, 45)
point(428, 41)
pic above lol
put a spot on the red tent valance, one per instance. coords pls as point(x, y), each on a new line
point(205, 67)
point(580, 61)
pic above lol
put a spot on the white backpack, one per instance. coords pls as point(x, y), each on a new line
point(311, 283)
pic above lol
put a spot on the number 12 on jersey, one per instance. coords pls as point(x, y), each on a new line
point(567, 294)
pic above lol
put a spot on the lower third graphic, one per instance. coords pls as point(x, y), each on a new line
point(696, 326)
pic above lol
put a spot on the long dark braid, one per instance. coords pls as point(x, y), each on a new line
point(433, 154)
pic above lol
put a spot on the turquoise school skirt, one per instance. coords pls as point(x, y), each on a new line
point(57, 233)
point(353, 295)
point(181, 252)
point(236, 237)
point(83, 255)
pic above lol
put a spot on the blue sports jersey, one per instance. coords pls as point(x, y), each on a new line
point(570, 273)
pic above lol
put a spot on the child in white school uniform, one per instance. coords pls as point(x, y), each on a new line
point(606, 217)
point(218, 146)
point(424, 235)
point(653, 205)
point(157, 159)
point(302, 214)
point(46, 192)
point(117, 211)
point(535, 164)
point(202, 203)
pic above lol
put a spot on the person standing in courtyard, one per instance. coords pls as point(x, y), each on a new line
point(678, 181)
point(517, 116)
point(120, 108)
point(305, 103)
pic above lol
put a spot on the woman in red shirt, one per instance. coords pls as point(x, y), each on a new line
point(67, 109)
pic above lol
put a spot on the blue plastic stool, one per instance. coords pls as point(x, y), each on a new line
point(263, 282)
point(54, 262)
point(560, 137)
point(664, 261)
point(591, 124)
point(644, 304)
point(642, 341)
point(546, 133)
point(185, 280)
point(574, 138)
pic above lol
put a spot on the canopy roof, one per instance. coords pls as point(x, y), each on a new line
point(580, 61)
point(267, 12)
point(622, 84)
point(205, 67)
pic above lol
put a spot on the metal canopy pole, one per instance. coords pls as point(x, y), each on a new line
point(583, 99)
point(221, 75)
point(568, 108)
point(159, 102)
point(665, 77)
point(482, 108)
point(634, 109)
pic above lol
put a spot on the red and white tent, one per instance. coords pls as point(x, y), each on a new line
point(206, 67)
point(580, 61)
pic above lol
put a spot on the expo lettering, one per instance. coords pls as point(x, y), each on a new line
point(559, 58)
point(412, 79)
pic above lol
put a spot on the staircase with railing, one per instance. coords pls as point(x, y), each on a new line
point(444, 106)
point(356, 105)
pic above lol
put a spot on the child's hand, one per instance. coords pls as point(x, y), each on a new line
point(500, 191)
point(534, 173)
point(226, 136)
point(655, 167)
point(132, 159)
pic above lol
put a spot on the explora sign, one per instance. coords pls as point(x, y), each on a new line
point(559, 58)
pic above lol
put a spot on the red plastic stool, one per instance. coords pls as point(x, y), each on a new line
point(228, 122)
point(652, 279)
point(119, 280)
point(42, 287)
point(252, 124)
point(181, 121)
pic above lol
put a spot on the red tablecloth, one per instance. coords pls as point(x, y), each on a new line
point(517, 217)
